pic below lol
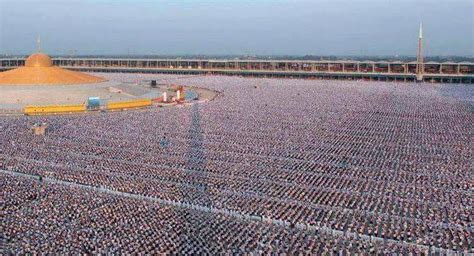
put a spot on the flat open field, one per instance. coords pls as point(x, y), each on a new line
point(283, 166)
point(13, 98)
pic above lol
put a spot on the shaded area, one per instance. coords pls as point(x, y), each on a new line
point(193, 236)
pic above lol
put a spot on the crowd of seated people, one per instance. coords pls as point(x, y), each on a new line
point(389, 161)
point(60, 219)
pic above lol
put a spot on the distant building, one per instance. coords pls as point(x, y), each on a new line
point(39, 70)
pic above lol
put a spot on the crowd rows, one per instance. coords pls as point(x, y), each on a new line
point(98, 223)
point(386, 160)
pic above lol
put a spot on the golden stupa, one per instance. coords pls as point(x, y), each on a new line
point(39, 70)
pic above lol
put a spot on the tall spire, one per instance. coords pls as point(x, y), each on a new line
point(419, 56)
point(38, 43)
point(421, 31)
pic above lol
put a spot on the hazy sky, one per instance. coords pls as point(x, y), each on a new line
point(270, 27)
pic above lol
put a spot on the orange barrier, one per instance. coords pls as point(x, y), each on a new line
point(128, 104)
point(53, 109)
point(58, 109)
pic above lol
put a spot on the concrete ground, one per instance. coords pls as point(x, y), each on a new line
point(13, 98)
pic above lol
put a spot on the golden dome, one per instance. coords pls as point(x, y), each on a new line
point(38, 60)
point(39, 70)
